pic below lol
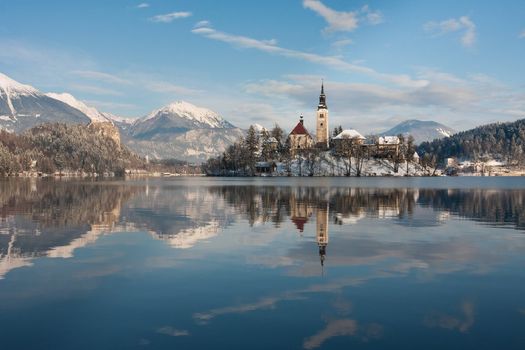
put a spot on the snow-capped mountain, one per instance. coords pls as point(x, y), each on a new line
point(23, 106)
point(175, 118)
point(91, 112)
point(181, 130)
point(421, 130)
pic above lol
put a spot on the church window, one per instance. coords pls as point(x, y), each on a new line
point(321, 116)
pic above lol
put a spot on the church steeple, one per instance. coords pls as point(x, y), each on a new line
point(322, 120)
point(322, 98)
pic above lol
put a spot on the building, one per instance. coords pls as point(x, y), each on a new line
point(388, 146)
point(322, 130)
point(299, 138)
point(350, 134)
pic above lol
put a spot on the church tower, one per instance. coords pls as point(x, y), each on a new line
point(322, 120)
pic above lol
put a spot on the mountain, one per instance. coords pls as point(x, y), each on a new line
point(421, 130)
point(176, 118)
point(91, 112)
point(23, 107)
point(181, 130)
point(501, 141)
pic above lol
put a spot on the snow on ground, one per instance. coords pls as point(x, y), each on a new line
point(328, 165)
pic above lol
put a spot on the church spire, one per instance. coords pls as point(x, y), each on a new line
point(322, 98)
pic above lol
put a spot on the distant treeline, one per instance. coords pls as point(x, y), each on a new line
point(49, 148)
point(501, 141)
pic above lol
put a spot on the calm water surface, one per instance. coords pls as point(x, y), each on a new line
point(335, 263)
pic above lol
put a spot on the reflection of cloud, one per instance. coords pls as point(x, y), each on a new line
point(338, 328)
point(522, 311)
point(173, 332)
point(189, 237)
point(335, 328)
point(462, 324)
point(270, 302)
point(265, 303)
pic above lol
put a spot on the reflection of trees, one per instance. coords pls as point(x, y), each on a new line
point(275, 203)
point(488, 206)
point(36, 216)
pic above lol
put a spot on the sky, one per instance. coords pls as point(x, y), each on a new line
point(460, 63)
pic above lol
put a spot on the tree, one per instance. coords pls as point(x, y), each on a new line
point(252, 147)
point(410, 149)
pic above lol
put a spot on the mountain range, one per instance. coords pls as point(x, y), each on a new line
point(179, 130)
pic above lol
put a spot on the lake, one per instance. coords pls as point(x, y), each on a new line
point(263, 263)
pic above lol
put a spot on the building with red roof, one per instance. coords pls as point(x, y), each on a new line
point(300, 138)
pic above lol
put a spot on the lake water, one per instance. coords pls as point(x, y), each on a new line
point(269, 263)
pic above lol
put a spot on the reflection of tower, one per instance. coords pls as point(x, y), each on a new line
point(322, 231)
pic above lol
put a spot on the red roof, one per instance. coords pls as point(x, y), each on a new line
point(299, 130)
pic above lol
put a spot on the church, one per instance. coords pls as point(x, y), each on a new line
point(301, 139)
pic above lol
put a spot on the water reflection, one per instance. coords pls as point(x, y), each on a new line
point(319, 266)
point(53, 218)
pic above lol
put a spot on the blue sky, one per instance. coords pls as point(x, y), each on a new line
point(457, 62)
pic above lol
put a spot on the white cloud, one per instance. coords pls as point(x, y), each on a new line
point(95, 90)
point(169, 88)
point(342, 43)
point(343, 21)
point(337, 21)
point(458, 102)
point(170, 17)
point(200, 24)
point(451, 25)
point(522, 34)
point(330, 61)
point(371, 17)
point(143, 5)
point(100, 76)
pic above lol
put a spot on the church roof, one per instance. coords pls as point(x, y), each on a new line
point(349, 134)
point(299, 130)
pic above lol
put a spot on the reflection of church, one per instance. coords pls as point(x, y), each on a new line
point(300, 213)
point(322, 230)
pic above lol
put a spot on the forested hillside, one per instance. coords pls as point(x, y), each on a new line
point(501, 141)
point(67, 148)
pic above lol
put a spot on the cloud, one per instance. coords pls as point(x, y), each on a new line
point(143, 5)
point(100, 76)
point(372, 17)
point(95, 90)
point(452, 25)
point(204, 23)
point(337, 21)
point(170, 17)
point(522, 34)
point(458, 102)
point(342, 43)
point(341, 21)
point(173, 332)
point(167, 87)
point(331, 61)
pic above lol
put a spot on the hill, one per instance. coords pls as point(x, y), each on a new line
point(500, 141)
point(421, 130)
point(66, 148)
